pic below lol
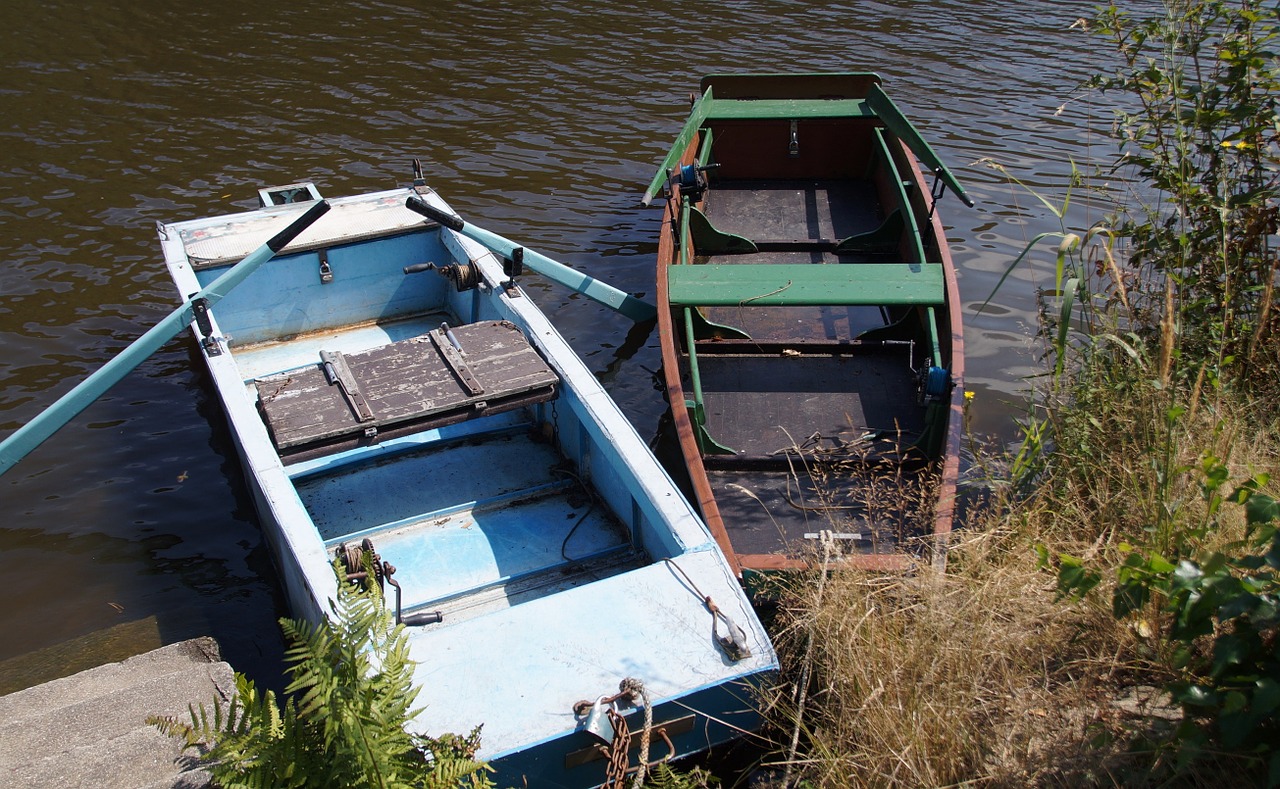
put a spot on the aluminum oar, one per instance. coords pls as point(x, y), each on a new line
point(630, 306)
point(48, 422)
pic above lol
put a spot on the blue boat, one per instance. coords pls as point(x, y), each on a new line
point(396, 397)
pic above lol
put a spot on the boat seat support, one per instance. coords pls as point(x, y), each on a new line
point(697, 409)
point(884, 238)
point(901, 184)
point(710, 240)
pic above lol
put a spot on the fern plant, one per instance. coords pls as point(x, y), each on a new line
point(344, 721)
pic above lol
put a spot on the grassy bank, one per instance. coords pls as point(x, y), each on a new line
point(993, 671)
point(1110, 616)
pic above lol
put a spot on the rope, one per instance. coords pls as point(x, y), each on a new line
point(734, 644)
point(773, 292)
point(619, 752)
point(463, 277)
point(591, 503)
point(353, 559)
point(636, 689)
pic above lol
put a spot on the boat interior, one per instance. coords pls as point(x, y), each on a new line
point(811, 302)
point(436, 431)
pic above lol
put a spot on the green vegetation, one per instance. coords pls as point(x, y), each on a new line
point(1203, 143)
point(1113, 618)
point(344, 722)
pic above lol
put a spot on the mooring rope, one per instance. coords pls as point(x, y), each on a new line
point(638, 693)
point(734, 643)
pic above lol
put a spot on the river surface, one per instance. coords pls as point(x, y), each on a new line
point(543, 122)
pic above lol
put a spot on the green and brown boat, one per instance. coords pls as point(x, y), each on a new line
point(809, 320)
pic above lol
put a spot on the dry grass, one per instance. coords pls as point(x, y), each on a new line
point(979, 675)
point(937, 678)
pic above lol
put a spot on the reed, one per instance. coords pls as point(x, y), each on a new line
point(992, 671)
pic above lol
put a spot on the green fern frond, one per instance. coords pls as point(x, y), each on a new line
point(664, 776)
point(170, 726)
point(349, 698)
point(452, 772)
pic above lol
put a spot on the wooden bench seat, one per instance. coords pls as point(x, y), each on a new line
point(805, 285)
point(785, 109)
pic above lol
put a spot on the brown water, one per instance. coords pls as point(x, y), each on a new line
point(542, 122)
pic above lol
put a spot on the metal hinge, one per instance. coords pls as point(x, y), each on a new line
point(337, 372)
point(455, 357)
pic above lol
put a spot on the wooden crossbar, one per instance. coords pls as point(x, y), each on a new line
point(805, 284)
point(787, 109)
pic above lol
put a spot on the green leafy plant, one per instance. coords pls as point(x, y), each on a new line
point(664, 776)
point(1202, 138)
point(1221, 610)
point(344, 722)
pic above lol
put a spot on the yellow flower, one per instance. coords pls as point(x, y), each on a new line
point(968, 397)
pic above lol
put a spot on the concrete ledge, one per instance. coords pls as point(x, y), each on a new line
point(90, 730)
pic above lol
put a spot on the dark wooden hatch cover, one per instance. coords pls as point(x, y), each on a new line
point(439, 378)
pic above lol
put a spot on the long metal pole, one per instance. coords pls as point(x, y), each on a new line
point(49, 421)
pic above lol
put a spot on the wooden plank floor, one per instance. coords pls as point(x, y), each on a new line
point(761, 405)
point(773, 498)
point(464, 516)
point(793, 209)
point(406, 381)
point(827, 324)
point(781, 511)
point(831, 209)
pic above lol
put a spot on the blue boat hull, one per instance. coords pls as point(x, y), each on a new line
point(443, 420)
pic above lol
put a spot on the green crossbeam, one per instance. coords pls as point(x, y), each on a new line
point(805, 284)
point(786, 109)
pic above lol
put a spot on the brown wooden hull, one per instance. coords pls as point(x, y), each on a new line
point(817, 408)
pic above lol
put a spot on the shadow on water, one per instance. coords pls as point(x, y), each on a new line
point(134, 547)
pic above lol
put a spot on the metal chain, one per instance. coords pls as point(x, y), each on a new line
point(631, 691)
point(619, 750)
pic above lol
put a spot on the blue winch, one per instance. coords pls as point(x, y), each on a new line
point(935, 383)
point(692, 179)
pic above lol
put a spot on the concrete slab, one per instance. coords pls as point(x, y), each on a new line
point(90, 730)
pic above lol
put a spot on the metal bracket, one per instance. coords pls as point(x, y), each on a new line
point(666, 731)
point(326, 271)
point(337, 372)
point(419, 180)
point(200, 310)
point(455, 357)
point(938, 189)
point(513, 267)
point(833, 535)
